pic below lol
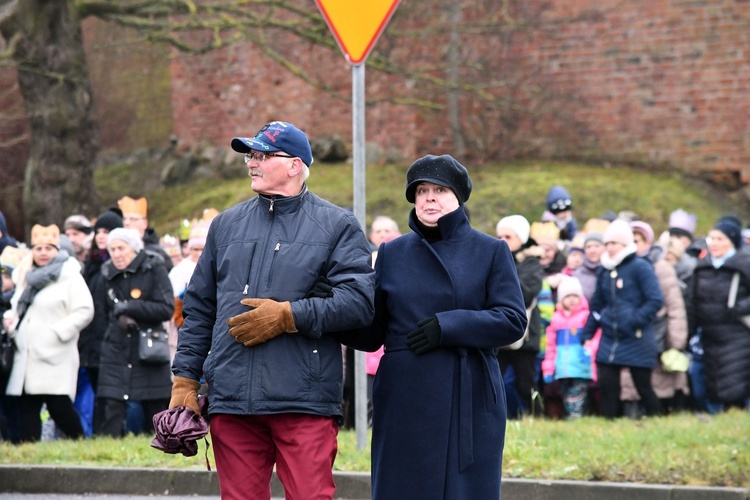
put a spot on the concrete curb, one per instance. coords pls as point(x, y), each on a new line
point(350, 485)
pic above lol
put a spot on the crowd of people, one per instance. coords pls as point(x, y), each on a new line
point(261, 307)
point(75, 302)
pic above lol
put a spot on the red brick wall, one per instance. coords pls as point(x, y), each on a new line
point(656, 80)
point(643, 81)
point(646, 81)
point(236, 90)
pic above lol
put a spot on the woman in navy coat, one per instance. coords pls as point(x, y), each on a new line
point(625, 303)
point(446, 296)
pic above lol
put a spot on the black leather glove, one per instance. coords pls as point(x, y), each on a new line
point(120, 308)
point(322, 289)
point(127, 323)
point(426, 337)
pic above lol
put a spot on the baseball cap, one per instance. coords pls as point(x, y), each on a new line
point(277, 136)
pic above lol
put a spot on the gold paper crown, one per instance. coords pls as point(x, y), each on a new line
point(170, 244)
point(595, 226)
point(209, 214)
point(45, 235)
point(542, 231)
point(11, 257)
point(199, 228)
point(132, 207)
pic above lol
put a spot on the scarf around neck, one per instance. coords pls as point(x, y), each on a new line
point(38, 278)
point(612, 262)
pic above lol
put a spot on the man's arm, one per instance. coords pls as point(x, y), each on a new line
point(351, 275)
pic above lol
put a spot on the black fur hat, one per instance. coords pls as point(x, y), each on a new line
point(442, 170)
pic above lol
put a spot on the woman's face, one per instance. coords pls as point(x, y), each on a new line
point(718, 243)
point(550, 250)
point(42, 254)
point(432, 202)
point(613, 248)
point(642, 246)
point(121, 254)
point(510, 237)
point(593, 250)
point(100, 238)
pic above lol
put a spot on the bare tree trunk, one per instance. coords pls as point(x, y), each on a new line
point(54, 83)
point(454, 61)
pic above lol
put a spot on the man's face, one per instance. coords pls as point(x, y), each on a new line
point(383, 232)
point(78, 239)
point(135, 221)
point(272, 173)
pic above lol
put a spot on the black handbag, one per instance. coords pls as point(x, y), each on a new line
point(7, 351)
point(153, 346)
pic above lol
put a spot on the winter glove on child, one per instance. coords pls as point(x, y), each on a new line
point(426, 337)
point(185, 393)
point(264, 321)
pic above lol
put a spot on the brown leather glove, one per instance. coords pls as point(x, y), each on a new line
point(177, 315)
point(265, 321)
point(185, 393)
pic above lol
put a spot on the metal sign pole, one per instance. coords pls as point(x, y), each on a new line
point(358, 155)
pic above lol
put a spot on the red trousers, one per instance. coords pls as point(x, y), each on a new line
point(302, 446)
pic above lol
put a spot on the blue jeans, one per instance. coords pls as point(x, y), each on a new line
point(697, 377)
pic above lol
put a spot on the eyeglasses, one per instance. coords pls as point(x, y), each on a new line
point(260, 157)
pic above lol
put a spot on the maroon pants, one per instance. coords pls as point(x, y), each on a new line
point(303, 447)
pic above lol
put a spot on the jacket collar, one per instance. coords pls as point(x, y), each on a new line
point(453, 226)
point(277, 204)
point(109, 271)
point(620, 257)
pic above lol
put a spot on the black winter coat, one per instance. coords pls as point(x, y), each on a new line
point(145, 286)
point(726, 341)
point(90, 341)
point(531, 276)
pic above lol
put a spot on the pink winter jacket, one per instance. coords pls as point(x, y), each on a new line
point(563, 320)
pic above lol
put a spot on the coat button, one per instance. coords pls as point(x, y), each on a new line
point(130, 366)
point(126, 397)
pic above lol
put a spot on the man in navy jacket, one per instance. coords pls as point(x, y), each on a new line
point(274, 377)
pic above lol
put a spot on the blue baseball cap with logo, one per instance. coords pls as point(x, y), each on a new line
point(277, 136)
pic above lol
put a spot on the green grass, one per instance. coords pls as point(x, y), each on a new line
point(499, 190)
point(682, 449)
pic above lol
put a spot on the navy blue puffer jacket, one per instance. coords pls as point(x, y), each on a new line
point(276, 248)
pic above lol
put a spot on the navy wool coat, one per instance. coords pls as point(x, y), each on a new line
point(625, 304)
point(439, 418)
